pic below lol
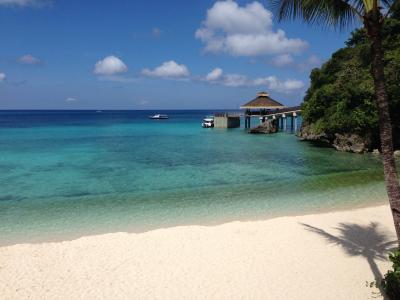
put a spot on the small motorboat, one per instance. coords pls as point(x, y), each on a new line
point(159, 117)
point(208, 122)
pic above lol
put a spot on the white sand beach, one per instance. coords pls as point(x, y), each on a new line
point(324, 256)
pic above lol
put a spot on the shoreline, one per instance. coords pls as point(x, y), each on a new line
point(313, 256)
point(56, 238)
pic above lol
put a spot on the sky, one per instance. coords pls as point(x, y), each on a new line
point(154, 54)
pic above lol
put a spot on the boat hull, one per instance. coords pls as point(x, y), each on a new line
point(207, 125)
point(158, 117)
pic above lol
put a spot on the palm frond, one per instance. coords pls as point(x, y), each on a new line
point(390, 6)
point(360, 5)
point(385, 6)
point(286, 9)
point(388, 3)
point(328, 13)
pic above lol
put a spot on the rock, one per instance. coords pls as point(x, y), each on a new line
point(351, 143)
point(397, 153)
point(267, 127)
point(376, 152)
point(307, 134)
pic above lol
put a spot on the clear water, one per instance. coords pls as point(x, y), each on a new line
point(68, 174)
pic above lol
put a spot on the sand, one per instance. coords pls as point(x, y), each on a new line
point(324, 256)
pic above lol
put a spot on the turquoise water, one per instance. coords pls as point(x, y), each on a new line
point(68, 174)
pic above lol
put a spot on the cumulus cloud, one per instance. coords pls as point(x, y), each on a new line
point(168, 69)
point(286, 60)
point(28, 59)
point(282, 60)
point(110, 65)
point(312, 62)
point(244, 31)
point(285, 86)
point(70, 99)
point(235, 80)
point(24, 3)
point(272, 83)
point(214, 74)
point(2, 77)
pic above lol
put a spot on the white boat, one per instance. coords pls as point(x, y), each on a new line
point(159, 117)
point(208, 122)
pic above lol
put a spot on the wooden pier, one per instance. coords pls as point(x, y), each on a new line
point(265, 108)
point(283, 117)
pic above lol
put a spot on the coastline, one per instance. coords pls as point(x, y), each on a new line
point(56, 236)
point(323, 256)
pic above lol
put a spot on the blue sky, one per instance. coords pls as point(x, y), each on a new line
point(123, 54)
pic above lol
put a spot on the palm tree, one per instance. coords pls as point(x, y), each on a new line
point(372, 14)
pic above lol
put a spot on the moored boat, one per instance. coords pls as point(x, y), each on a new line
point(159, 117)
point(208, 122)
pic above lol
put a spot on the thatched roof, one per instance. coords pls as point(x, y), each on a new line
point(263, 101)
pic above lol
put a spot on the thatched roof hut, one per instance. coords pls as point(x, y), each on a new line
point(263, 102)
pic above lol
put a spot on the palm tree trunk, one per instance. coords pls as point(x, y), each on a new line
point(373, 24)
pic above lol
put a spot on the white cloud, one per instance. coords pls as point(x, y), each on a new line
point(28, 59)
point(244, 31)
point(70, 99)
point(271, 83)
point(312, 62)
point(110, 65)
point(274, 84)
point(282, 60)
point(168, 69)
point(287, 60)
point(24, 3)
point(235, 80)
point(2, 77)
point(214, 74)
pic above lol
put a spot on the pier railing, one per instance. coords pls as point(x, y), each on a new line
point(293, 109)
point(282, 117)
point(284, 110)
point(226, 115)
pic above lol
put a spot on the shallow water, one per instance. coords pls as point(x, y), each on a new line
point(68, 174)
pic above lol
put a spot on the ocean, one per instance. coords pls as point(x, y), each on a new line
point(66, 174)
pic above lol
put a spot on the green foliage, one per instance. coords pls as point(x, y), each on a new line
point(391, 282)
point(341, 95)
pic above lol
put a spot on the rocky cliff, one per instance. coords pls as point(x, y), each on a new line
point(350, 142)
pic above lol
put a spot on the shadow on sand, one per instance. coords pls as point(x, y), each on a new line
point(370, 242)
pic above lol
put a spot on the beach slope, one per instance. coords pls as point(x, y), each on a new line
point(323, 256)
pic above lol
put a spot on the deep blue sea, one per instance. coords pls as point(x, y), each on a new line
point(64, 174)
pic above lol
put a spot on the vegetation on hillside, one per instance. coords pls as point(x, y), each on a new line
point(341, 96)
point(391, 281)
